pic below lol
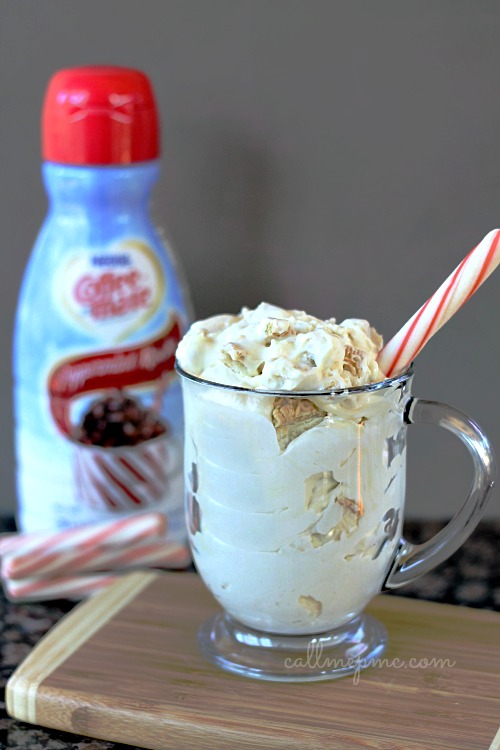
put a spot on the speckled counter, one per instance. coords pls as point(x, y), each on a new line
point(470, 578)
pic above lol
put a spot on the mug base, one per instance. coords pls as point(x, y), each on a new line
point(287, 658)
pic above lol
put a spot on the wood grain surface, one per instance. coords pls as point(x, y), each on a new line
point(124, 666)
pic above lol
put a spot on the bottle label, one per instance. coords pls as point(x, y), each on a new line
point(122, 451)
point(99, 429)
point(113, 293)
point(147, 364)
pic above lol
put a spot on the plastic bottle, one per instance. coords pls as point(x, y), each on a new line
point(97, 403)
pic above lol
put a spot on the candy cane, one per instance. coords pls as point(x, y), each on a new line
point(158, 553)
point(67, 587)
point(402, 349)
point(29, 547)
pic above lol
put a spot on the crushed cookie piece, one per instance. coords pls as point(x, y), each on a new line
point(353, 359)
point(347, 524)
point(277, 328)
point(193, 477)
point(319, 488)
point(311, 605)
point(194, 513)
point(293, 416)
point(235, 351)
point(350, 506)
point(308, 360)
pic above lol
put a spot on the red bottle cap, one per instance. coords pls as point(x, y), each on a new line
point(99, 115)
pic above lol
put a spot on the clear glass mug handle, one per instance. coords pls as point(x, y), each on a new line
point(412, 561)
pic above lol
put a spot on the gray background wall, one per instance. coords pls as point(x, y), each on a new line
point(340, 157)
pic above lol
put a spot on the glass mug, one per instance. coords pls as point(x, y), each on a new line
point(295, 507)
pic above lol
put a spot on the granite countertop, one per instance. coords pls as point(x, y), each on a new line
point(470, 578)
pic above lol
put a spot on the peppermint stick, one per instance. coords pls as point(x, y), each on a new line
point(475, 268)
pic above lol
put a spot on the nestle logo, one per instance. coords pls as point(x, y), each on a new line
point(111, 260)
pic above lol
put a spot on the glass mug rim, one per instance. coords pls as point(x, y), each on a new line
point(379, 385)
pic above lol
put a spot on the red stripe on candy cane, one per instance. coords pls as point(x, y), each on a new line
point(389, 370)
point(483, 274)
point(439, 309)
point(399, 352)
point(54, 588)
point(21, 551)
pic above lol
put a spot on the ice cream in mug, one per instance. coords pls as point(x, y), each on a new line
point(295, 501)
point(295, 452)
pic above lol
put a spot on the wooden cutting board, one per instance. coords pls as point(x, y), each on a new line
point(124, 666)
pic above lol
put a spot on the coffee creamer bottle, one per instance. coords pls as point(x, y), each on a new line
point(101, 310)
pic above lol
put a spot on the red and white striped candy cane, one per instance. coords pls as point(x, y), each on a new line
point(402, 349)
point(158, 553)
point(32, 547)
point(64, 587)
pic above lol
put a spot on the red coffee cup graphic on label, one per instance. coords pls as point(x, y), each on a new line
point(124, 451)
